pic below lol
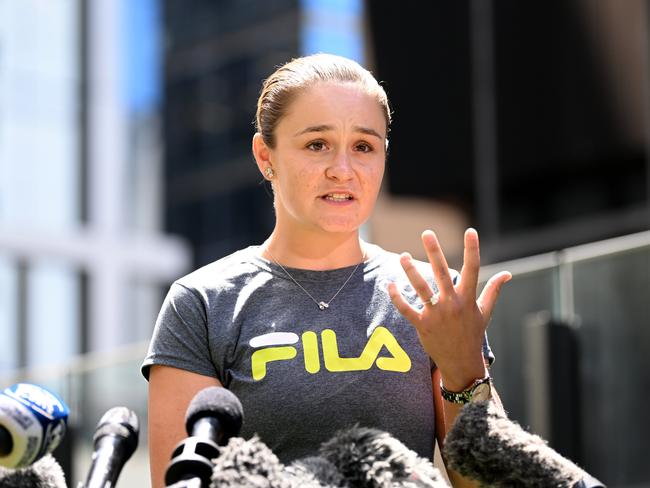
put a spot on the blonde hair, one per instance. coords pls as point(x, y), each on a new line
point(279, 89)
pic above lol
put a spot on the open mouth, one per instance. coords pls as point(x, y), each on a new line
point(338, 197)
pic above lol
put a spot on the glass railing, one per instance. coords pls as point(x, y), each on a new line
point(582, 376)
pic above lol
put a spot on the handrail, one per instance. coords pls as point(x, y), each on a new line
point(82, 363)
point(583, 252)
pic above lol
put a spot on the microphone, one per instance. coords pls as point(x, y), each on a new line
point(44, 473)
point(483, 444)
point(247, 463)
point(214, 415)
point(359, 458)
point(114, 442)
point(369, 457)
point(252, 463)
point(317, 471)
point(33, 420)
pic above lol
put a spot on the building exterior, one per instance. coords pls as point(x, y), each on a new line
point(83, 251)
point(80, 163)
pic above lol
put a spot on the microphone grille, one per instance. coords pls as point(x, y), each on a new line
point(216, 401)
point(119, 422)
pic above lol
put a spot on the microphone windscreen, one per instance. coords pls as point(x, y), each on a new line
point(371, 457)
point(247, 463)
point(216, 401)
point(483, 444)
point(253, 464)
point(44, 473)
point(318, 469)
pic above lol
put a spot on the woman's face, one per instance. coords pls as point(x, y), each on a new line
point(329, 158)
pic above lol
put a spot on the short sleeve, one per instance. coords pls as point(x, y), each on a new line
point(180, 337)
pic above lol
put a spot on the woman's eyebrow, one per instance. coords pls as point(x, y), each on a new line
point(325, 128)
point(369, 131)
point(314, 128)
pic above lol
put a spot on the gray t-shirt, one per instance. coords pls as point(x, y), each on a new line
point(302, 373)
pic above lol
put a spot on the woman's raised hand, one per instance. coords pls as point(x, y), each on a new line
point(451, 325)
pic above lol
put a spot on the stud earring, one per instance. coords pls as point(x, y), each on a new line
point(268, 171)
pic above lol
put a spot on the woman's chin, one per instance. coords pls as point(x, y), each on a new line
point(340, 226)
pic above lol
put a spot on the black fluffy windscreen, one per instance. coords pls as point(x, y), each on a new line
point(483, 444)
point(368, 457)
point(359, 458)
point(44, 473)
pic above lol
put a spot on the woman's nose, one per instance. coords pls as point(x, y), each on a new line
point(340, 167)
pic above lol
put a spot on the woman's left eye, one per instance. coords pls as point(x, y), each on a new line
point(364, 147)
point(316, 145)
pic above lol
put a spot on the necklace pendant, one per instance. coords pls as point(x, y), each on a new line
point(322, 305)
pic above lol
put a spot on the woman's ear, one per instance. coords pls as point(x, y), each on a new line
point(262, 155)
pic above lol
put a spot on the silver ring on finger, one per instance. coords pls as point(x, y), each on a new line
point(433, 300)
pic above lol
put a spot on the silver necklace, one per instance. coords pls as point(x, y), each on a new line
point(321, 305)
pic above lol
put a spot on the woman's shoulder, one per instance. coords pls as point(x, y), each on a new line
point(225, 272)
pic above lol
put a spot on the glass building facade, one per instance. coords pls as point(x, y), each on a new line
point(80, 177)
point(84, 258)
point(39, 178)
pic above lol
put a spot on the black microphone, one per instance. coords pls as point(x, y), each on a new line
point(483, 444)
point(214, 415)
point(115, 441)
point(44, 473)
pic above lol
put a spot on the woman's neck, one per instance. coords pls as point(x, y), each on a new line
point(317, 252)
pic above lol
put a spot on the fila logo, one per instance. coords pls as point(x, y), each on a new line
point(280, 350)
